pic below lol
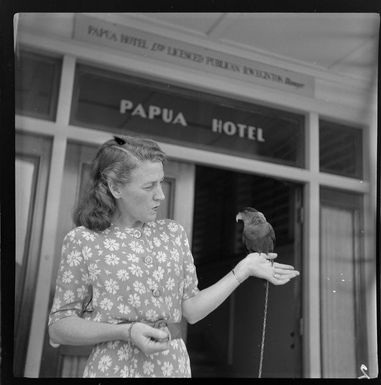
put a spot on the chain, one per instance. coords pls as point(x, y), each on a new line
point(263, 330)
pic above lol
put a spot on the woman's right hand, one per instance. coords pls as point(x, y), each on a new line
point(148, 339)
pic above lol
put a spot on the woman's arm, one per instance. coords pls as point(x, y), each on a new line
point(78, 331)
point(255, 264)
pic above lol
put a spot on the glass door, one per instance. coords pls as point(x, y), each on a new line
point(32, 163)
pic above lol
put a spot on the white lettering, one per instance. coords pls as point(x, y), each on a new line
point(239, 129)
point(229, 128)
point(251, 133)
point(153, 111)
point(260, 135)
point(180, 119)
point(217, 125)
point(139, 110)
point(167, 115)
point(125, 105)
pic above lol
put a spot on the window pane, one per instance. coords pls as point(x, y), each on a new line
point(120, 103)
point(343, 324)
point(340, 149)
point(36, 85)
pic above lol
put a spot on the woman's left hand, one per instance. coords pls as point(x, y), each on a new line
point(259, 265)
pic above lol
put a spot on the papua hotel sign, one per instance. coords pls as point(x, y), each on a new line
point(138, 42)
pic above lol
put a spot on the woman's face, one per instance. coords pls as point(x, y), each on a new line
point(139, 200)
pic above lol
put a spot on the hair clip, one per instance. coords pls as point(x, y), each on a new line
point(120, 141)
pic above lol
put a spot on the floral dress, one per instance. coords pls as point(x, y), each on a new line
point(125, 275)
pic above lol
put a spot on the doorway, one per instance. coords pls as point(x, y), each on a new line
point(227, 342)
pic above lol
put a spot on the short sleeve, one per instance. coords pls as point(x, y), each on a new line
point(73, 291)
point(189, 268)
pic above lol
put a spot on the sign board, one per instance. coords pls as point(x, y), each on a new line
point(123, 104)
point(130, 40)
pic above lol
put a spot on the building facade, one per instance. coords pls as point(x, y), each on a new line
point(240, 130)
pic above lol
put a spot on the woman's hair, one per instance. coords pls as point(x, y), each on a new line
point(113, 164)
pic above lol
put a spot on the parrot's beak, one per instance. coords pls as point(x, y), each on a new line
point(238, 217)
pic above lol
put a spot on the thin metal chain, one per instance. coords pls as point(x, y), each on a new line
point(263, 330)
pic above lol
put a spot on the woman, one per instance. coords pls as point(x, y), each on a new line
point(126, 279)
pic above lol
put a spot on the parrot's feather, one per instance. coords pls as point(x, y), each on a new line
point(258, 235)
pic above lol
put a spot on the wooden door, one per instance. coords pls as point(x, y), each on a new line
point(178, 187)
point(32, 162)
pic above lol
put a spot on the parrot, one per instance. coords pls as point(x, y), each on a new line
point(258, 235)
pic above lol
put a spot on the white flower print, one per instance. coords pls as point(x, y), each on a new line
point(172, 226)
point(170, 284)
point(81, 292)
point(112, 264)
point(168, 301)
point(111, 244)
point(121, 235)
point(87, 253)
point(67, 276)
point(88, 236)
point(122, 275)
point(155, 302)
point(152, 315)
point(164, 237)
point(167, 369)
point(152, 285)
point(71, 235)
point(112, 259)
point(161, 256)
point(177, 314)
point(147, 231)
point(106, 304)
point(125, 372)
point(134, 300)
point(175, 255)
point(74, 258)
point(157, 242)
point(94, 271)
point(124, 352)
point(158, 274)
point(104, 363)
point(136, 247)
point(139, 287)
point(111, 286)
point(57, 303)
point(189, 268)
point(136, 270)
point(132, 258)
point(148, 368)
point(68, 296)
point(182, 364)
point(123, 309)
point(85, 278)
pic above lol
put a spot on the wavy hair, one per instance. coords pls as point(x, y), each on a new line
point(113, 164)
